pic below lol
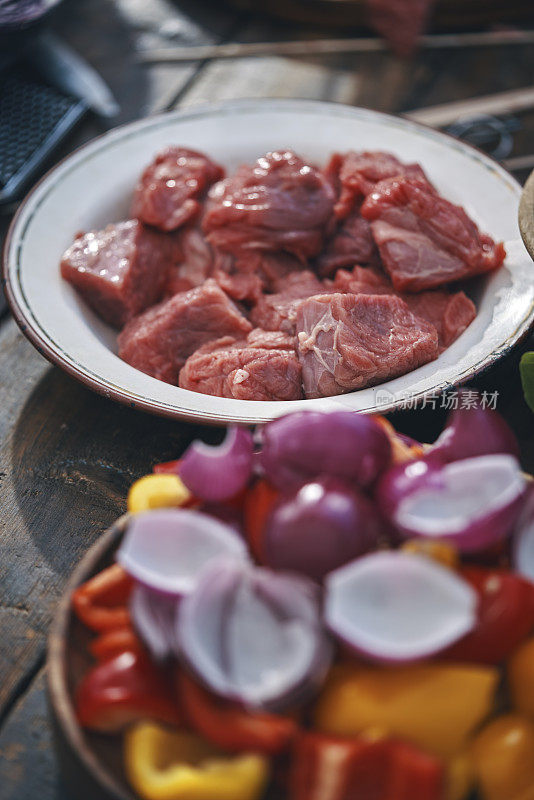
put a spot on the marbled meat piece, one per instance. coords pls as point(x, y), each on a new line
point(354, 175)
point(119, 271)
point(424, 240)
point(278, 312)
point(159, 341)
point(450, 312)
point(170, 189)
point(278, 203)
point(350, 341)
point(264, 366)
point(193, 262)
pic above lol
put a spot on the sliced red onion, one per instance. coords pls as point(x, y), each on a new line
point(167, 549)
point(220, 472)
point(472, 504)
point(154, 618)
point(396, 607)
point(320, 527)
point(473, 430)
point(341, 444)
point(524, 543)
point(253, 635)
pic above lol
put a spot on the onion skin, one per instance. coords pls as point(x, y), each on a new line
point(405, 479)
point(300, 447)
point(523, 550)
point(322, 526)
point(474, 431)
point(218, 473)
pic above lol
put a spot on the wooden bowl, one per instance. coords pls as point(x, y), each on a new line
point(90, 763)
point(526, 215)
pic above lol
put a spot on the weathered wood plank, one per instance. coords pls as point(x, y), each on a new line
point(66, 461)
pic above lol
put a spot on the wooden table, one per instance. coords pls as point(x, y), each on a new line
point(68, 456)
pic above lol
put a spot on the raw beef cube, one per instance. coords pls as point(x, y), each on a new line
point(362, 280)
point(354, 175)
point(278, 312)
point(193, 263)
point(400, 22)
point(120, 270)
point(262, 367)
point(278, 203)
point(248, 275)
point(352, 243)
point(350, 341)
point(168, 192)
point(450, 313)
point(159, 341)
point(425, 241)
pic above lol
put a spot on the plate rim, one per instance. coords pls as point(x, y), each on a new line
point(23, 315)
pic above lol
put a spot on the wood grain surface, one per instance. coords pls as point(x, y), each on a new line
point(67, 456)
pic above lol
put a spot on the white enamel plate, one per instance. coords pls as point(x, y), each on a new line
point(93, 187)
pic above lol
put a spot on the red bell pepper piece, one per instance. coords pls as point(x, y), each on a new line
point(259, 502)
point(112, 643)
point(332, 768)
point(230, 727)
point(167, 467)
point(101, 603)
point(122, 690)
point(505, 616)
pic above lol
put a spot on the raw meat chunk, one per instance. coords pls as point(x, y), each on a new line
point(350, 341)
point(246, 277)
point(159, 341)
point(168, 192)
point(450, 313)
point(425, 241)
point(400, 22)
point(193, 262)
point(278, 203)
point(352, 243)
point(355, 175)
point(262, 367)
point(120, 270)
point(278, 312)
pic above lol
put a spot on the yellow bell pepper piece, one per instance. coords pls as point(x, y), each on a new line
point(435, 706)
point(521, 678)
point(460, 777)
point(176, 765)
point(157, 491)
point(438, 551)
point(503, 757)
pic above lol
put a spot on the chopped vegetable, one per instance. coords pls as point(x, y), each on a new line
point(112, 643)
point(230, 726)
point(259, 502)
point(472, 504)
point(158, 491)
point(122, 690)
point(505, 616)
point(167, 550)
point(520, 673)
point(300, 447)
point(526, 368)
point(218, 473)
point(473, 430)
point(441, 552)
point(503, 757)
point(332, 768)
point(101, 602)
point(524, 540)
point(253, 635)
point(394, 606)
point(320, 527)
point(154, 616)
point(177, 765)
point(460, 777)
point(435, 706)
